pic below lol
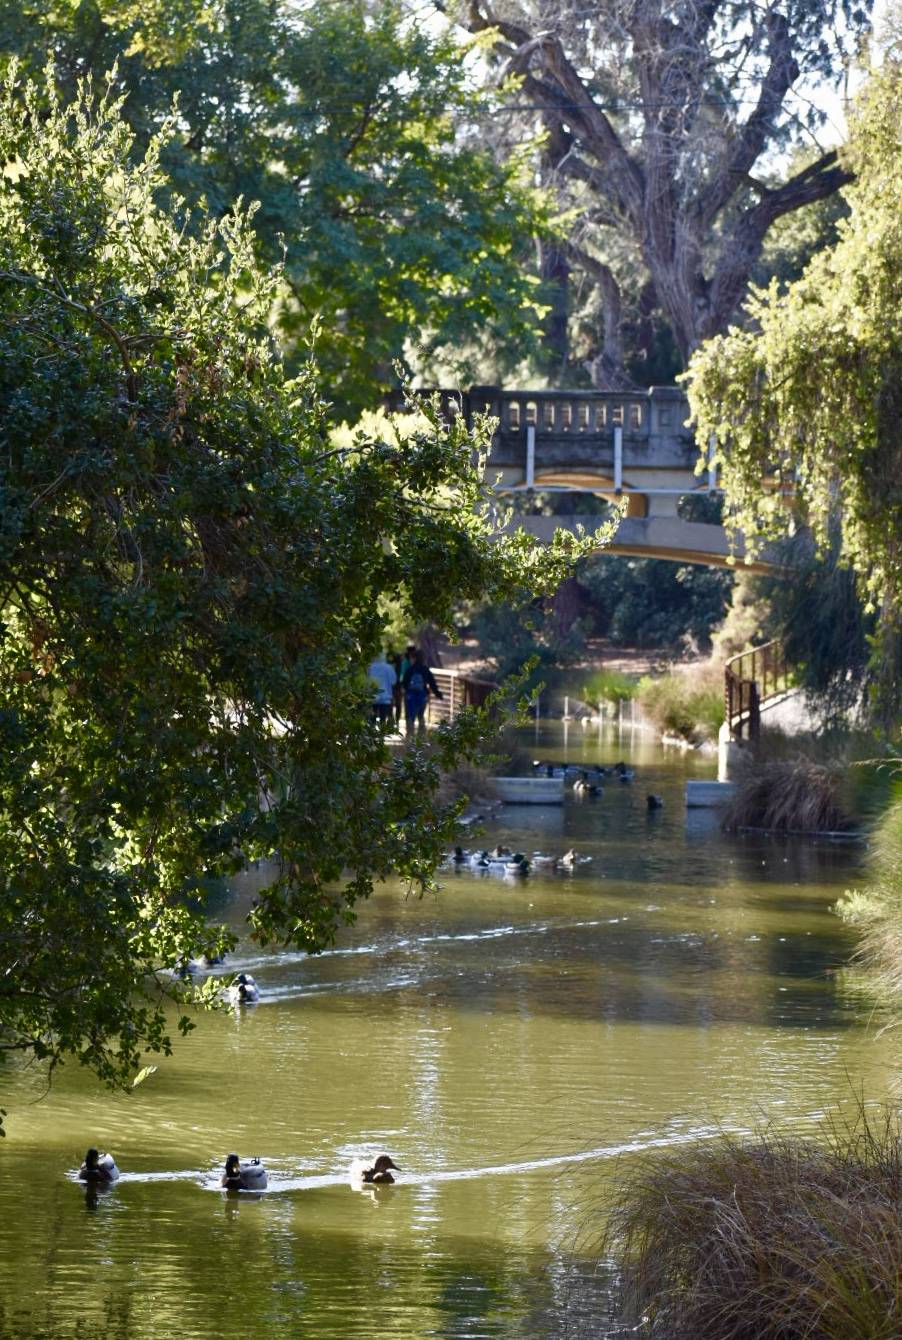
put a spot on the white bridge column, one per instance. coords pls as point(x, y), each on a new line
point(618, 459)
point(530, 455)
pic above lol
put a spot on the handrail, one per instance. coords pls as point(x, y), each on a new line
point(751, 679)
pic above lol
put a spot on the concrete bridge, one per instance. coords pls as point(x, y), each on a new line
point(631, 445)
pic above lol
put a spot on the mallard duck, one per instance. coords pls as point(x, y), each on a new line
point(654, 802)
point(625, 774)
point(517, 865)
point(479, 860)
point(542, 861)
point(583, 787)
point(247, 1176)
point(572, 858)
point(244, 990)
point(375, 1174)
point(98, 1168)
point(500, 853)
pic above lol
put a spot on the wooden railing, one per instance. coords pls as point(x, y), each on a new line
point(750, 680)
point(457, 691)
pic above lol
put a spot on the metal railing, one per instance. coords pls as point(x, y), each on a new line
point(750, 680)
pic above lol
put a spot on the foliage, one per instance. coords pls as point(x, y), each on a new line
point(771, 1238)
point(608, 686)
point(805, 408)
point(686, 702)
point(512, 636)
point(877, 907)
point(789, 795)
point(352, 128)
point(650, 602)
point(190, 578)
point(659, 120)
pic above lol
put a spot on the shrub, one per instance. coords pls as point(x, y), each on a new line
point(686, 703)
point(788, 795)
point(878, 907)
point(608, 686)
point(770, 1239)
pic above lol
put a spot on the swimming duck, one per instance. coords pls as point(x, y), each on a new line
point(247, 1176)
point(501, 852)
point(583, 787)
point(479, 860)
point(457, 857)
point(98, 1168)
point(377, 1175)
point(517, 865)
point(244, 990)
point(542, 861)
point(572, 858)
point(654, 802)
point(625, 774)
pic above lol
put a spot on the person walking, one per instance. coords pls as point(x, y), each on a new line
point(419, 682)
point(394, 661)
point(383, 678)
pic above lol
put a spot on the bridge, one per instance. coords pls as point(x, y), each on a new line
point(631, 445)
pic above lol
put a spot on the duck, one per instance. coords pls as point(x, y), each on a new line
point(479, 860)
point(244, 990)
point(375, 1175)
point(517, 865)
point(583, 787)
point(458, 857)
point(246, 1176)
point(572, 858)
point(98, 1168)
point(625, 774)
point(500, 853)
point(654, 802)
point(542, 861)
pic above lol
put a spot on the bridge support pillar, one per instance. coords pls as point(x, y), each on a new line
point(729, 753)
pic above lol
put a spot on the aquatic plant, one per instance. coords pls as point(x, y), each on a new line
point(788, 795)
point(608, 686)
point(687, 702)
point(769, 1238)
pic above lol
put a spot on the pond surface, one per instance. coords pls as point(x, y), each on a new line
point(507, 1042)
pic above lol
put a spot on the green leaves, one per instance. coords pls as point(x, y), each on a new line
point(190, 579)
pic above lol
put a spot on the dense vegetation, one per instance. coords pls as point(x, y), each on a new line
point(192, 575)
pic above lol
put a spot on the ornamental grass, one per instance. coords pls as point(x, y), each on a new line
point(775, 1238)
point(791, 795)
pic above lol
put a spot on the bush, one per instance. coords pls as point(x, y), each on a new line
point(686, 703)
point(789, 795)
point(608, 686)
point(772, 1239)
point(878, 907)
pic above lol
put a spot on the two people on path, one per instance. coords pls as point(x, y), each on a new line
point(412, 678)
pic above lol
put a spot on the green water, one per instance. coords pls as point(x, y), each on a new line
point(507, 1042)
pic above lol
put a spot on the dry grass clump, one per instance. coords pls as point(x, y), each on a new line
point(877, 907)
point(777, 1239)
point(469, 780)
point(792, 795)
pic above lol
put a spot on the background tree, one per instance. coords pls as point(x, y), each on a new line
point(805, 407)
point(658, 120)
point(352, 128)
point(191, 573)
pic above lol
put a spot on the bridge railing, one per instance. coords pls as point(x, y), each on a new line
point(457, 691)
point(750, 680)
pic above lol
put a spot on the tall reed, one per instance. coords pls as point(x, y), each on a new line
point(788, 795)
point(773, 1238)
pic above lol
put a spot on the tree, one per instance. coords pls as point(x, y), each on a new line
point(804, 408)
point(350, 125)
point(657, 118)
point(190, 578)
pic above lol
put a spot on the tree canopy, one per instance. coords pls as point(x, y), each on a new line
point(804, 407)
point(351, 126)
point(191, 574)
point(659, 119)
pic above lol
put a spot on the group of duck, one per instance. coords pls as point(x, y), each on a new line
point(591, 781)
point(502, 860)
point(242, 991)
point(99, 1170)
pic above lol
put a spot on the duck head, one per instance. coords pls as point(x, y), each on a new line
point(92, 1158)
point(233, 1166)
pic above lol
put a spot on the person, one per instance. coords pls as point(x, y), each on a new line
point(394, 661)
point(383, 677)
point(419, 682)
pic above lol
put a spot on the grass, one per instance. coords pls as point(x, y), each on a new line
point(686, 703)
point(773, 1238)
point(877, 907)
point(789, 795)
point(608, 686)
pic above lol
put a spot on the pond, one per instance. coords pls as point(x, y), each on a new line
point(508, 1042)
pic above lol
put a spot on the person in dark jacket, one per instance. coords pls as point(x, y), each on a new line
point(419, 682)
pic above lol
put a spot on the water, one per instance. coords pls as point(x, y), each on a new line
point(509, 1043)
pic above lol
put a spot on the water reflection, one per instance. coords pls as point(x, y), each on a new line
point(508, 1042)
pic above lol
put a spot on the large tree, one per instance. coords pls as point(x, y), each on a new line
point(805, 407)
point(351, 127)
point(191, 573)
point(659, 117)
